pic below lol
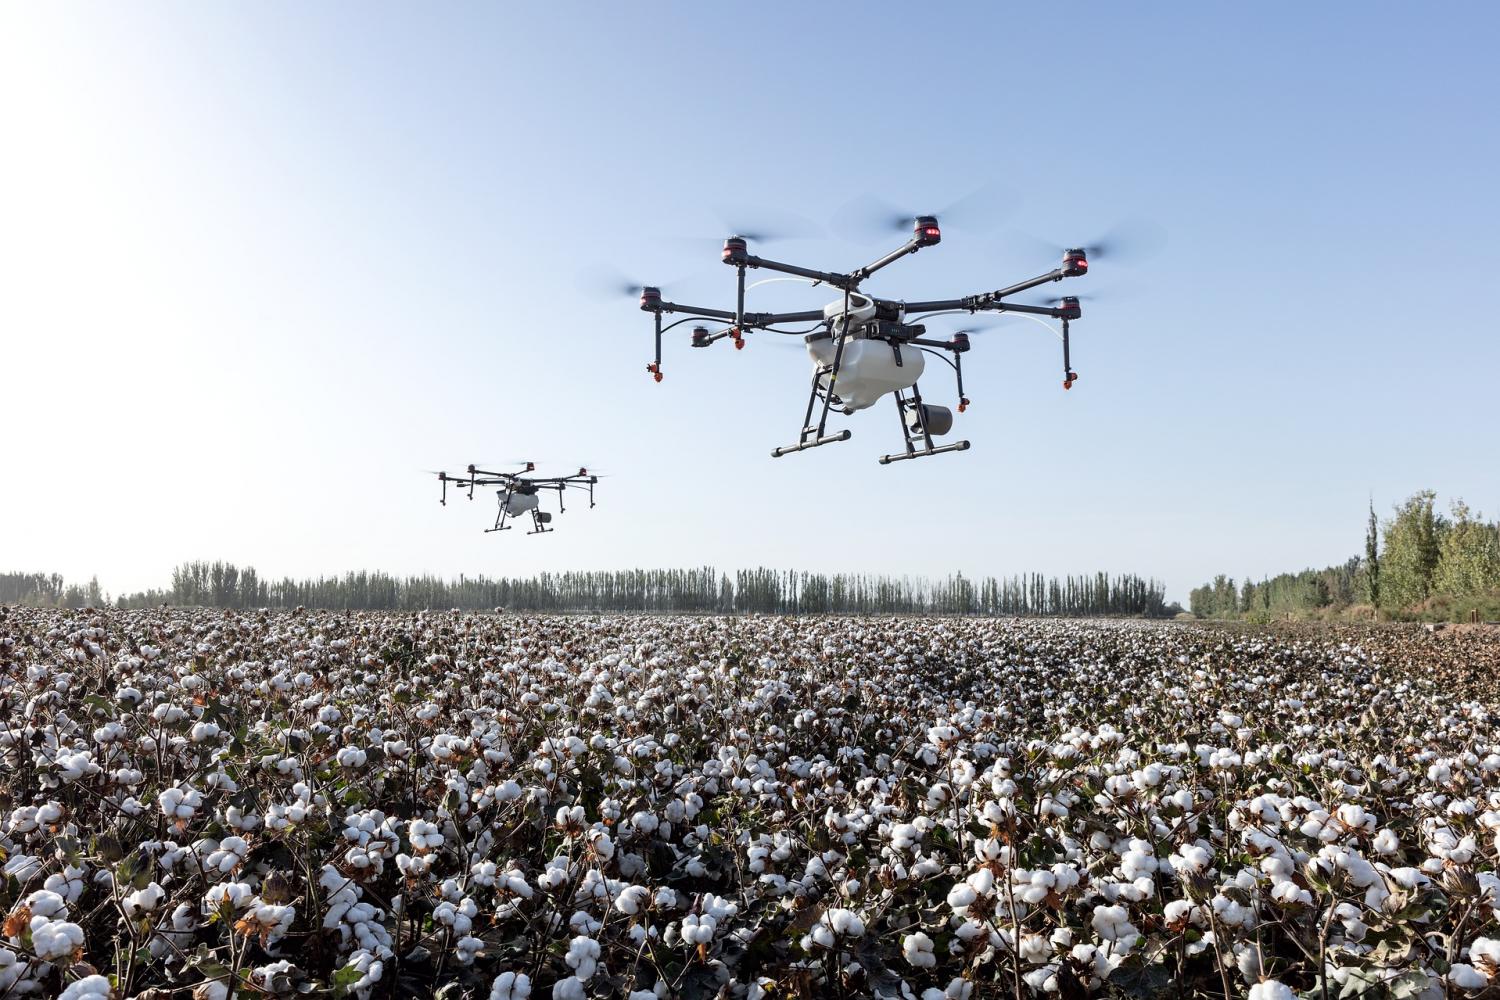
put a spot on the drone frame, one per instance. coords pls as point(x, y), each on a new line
point(889, 324)
point(512, 483)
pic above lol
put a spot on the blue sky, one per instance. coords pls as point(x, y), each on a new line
point(262, 264)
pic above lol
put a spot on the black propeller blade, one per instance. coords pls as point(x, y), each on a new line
point(869, 218)
point(609, 284)
point(1129, 242)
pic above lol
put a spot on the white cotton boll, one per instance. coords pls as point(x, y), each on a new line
point(1466, 977)
point(1484, 953)
point(1112, 923)
point(73, 767)
point(698, 929)
point(917, 950)
point(352, 757)
point(961, 897)
point(632, 900)
point(466, 949)
point(55, 939)
point(143, 900)
point(845, 923)
point(1289, 893)
point(46, 903)
point(570, 988)
point(1386, 842)
point(23, 867)
point(88, 988)
point(511, 986)
point(424, 836)
point(1177, 913)
point(583, 957)
point(1271, 990)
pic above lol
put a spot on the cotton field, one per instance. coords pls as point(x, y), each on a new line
point(203, 804)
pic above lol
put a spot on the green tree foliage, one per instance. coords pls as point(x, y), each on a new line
point(1413, 540)
point(704, 590)
point(1468, 560)
point(1429, 565)
point(1215, 600)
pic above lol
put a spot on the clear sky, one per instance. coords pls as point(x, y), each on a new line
point(262, 264)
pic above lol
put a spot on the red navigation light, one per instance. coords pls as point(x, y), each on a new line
point(926, 231)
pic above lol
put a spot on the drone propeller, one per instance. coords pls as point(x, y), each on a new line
point(1053, 303)
point(868, 218)
point(607, 283)
point(759, 225)
point(755, 225)
point(1130, 241)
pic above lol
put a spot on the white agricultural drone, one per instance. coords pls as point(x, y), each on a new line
point(863, 347)
point(519, 494)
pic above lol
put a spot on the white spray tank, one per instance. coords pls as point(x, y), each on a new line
point(867, 369)
point(519, 503)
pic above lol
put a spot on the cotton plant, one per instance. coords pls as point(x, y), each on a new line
point(938, 807)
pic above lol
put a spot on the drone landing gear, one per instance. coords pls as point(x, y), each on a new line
point(540, 519)
point(814, 442)
point(815, 435)
point(919, 437)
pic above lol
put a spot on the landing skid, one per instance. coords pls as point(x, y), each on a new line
point(810, 440)
point(918, 445)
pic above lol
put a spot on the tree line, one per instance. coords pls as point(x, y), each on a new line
point(48, 590)
point(1418, 563)
point(701, 590)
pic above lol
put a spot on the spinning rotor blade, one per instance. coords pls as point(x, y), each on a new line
point(608, 283)
point(868, 218)
point(1053, 303)
point(757, 225)
point(1130, 241)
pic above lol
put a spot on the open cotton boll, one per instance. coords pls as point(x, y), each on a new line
point(632, 900)
point(583, 957)
point(94, 987)
point(511, 986)
point(917, 950)
point(143, 901)
point(55, 939)
point(1271, 990)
